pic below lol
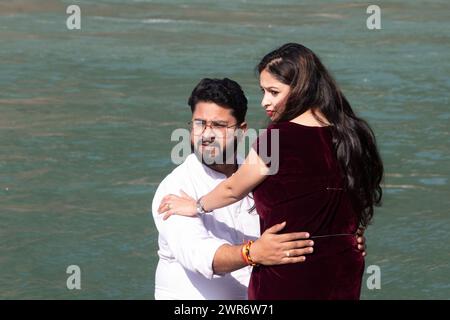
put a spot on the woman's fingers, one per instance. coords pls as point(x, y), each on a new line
point(184, 194)
point(164, 206)
point(167, 215)
point(179, 206)
point(164, 203)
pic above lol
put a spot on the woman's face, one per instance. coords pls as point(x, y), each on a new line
point(275, 94)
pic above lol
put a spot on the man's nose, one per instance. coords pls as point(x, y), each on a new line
point(208, 134)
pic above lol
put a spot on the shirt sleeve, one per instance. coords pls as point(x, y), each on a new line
point(187, 238)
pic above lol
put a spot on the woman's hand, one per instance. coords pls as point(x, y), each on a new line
point(173, 204)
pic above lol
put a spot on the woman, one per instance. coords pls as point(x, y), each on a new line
point(327, 180)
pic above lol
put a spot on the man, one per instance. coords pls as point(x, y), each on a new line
point(200, 258)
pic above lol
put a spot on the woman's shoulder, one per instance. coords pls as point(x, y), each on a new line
point(276, 128)
point(287, 129)
point(291, 125)
point(278, 125)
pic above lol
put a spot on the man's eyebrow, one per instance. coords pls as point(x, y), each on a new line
point(216, 121)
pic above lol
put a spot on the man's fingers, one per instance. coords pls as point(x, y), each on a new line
point(296, 255)
point(302, 244)
point(295, 259)
point(361, 239)
point(294, 236)
point(276, 228)
point(300, 252)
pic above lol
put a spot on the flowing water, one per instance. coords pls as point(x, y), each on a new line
point(86, 117)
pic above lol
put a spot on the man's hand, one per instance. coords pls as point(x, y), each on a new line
point(273, 249)
point(361, 241)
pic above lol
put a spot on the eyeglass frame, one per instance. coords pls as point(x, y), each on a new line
point(191, 123)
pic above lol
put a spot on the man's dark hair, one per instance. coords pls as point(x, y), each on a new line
point(223, 92)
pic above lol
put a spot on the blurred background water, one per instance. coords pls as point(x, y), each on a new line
point(86, 117)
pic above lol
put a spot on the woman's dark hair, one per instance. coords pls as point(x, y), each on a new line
point(224, 92)
point(312, 87)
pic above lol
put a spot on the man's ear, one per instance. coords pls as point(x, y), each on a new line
point(243, 126)
point(242, 129)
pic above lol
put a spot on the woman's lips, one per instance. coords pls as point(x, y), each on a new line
point(269, 113)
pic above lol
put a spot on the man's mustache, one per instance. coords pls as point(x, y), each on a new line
point(200, 142)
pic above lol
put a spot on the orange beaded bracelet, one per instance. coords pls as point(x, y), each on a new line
point(245, 253)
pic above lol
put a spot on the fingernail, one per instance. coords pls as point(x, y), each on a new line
point(311, 243)
point(307, 235)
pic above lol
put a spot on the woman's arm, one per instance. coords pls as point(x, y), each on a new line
point(251, 173)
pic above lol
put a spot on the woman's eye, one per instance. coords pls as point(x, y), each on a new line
point(274, 92)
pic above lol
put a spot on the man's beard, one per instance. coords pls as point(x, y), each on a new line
point(225, 156)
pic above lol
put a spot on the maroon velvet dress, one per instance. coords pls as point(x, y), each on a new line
point(308, 193)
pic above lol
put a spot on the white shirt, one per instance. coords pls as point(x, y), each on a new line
point(187, 245)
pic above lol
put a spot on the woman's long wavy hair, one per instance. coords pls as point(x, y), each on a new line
point(312, 87)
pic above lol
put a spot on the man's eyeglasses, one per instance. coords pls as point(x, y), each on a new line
point(219, 128)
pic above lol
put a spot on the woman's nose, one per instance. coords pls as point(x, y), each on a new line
point(265, 102)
